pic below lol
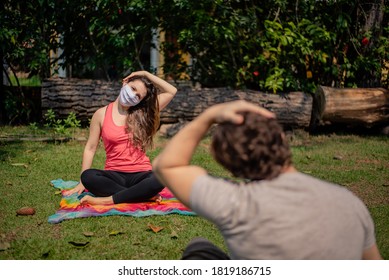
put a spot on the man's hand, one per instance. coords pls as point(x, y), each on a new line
point(231, 111)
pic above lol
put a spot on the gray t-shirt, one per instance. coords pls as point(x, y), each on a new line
point(294, 216)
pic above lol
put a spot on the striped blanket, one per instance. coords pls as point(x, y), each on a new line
point(70, 207)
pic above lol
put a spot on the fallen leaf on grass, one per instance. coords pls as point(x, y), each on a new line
point(79, 244)
point(25, 165)
point(115, 232)
point(88, 233)
point(25, 211)
point(174, 235)
point(4, 246)
point(154, 228)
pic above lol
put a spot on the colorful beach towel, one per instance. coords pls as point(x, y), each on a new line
point(70, 207)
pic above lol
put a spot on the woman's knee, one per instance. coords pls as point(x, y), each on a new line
point(156, 184)
point(88, 177)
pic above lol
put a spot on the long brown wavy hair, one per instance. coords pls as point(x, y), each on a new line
point(255, 150)
point(143, 119)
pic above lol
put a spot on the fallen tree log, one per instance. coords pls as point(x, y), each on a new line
point(84, 97)
point(292, 109)
point(356, 106)
point(80, 96)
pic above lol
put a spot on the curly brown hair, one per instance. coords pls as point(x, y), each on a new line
point(257, 149)
point(143, 119)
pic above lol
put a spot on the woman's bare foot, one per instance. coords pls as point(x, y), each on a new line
point(156, 198)
point(87, 199)
point(96, 200)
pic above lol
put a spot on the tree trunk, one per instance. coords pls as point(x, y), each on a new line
point(292, 110)
point(81, 96)
point(2, 91)
point(84, 97)
point(374, 18)
point(360, 106)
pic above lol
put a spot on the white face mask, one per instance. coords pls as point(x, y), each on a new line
point(127, 97)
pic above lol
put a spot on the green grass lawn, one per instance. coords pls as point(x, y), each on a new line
point(33, 81)
point(360, 163)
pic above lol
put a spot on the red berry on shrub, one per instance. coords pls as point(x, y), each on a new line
point(365, 41)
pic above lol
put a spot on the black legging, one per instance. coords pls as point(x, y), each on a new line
point(124, 187)
point(202, 249)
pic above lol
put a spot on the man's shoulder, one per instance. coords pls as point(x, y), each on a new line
point(207, 179)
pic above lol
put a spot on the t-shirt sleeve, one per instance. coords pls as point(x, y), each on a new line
point(212, 198)
point(370, 239)
point(368, 224)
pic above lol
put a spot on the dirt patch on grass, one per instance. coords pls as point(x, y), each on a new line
point(372, 196)
point(56, 231)
point(9, 236)
point(375, 162)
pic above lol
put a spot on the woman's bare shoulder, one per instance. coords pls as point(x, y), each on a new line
point(100, 113)
point(101, 110)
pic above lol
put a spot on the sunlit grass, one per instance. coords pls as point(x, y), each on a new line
point(358, 163)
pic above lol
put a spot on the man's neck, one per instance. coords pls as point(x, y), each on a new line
point(289, 169)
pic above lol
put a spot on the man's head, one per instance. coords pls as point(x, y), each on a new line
point(256, 149)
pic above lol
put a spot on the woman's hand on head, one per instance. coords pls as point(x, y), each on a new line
point(136, 73)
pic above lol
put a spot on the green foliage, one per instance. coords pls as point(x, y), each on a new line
point(282, 45)
point(33, 127)
point(33, 81)
point(26, 35)
point(277, 45)
point(50, 118)
point(111, 36)
point(71, 121)
point(61, 126)
point(16, 106)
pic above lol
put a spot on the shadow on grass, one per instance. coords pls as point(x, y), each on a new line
point(8, 151)
point(356, 129)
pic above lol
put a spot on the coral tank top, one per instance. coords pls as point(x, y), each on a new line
point(121, 155)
